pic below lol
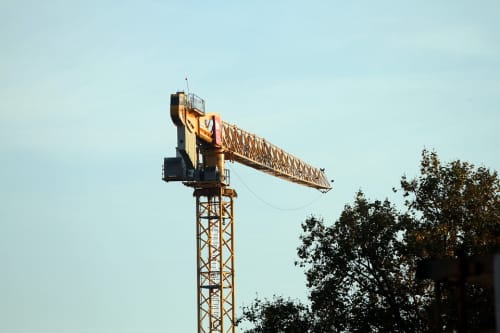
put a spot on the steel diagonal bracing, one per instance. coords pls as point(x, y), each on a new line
point(215, 227)
point(251, 150)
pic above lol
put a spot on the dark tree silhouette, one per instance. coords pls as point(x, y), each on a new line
point(361, 270)
point(359, 276)
point(457, 207)
point(277, 316)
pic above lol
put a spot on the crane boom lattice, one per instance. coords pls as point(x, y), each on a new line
point(256, 152)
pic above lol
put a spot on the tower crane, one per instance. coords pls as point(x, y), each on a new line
point(204, 143)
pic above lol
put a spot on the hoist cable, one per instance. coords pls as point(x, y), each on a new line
point(258, 197)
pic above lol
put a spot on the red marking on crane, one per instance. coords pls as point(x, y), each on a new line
point(217, 131)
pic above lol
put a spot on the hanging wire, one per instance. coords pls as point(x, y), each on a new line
point(258, 197)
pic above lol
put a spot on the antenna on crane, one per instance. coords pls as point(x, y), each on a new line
point(187, 84)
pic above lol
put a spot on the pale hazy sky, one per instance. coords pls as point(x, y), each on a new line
point(91, 239)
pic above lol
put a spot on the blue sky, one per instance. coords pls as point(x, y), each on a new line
point(91, 239)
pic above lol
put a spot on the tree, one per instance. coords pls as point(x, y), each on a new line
point(361, 270)
point(457, 205)
point(277, 316)
point(358, 276)
point(360, 279)
point(458, 210)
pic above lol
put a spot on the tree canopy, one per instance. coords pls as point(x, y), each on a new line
point(277, 316)
point(361, 270)
point(457, 205)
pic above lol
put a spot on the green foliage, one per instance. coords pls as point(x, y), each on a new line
point(458, 207)
point(361, 270)
point(277, 316)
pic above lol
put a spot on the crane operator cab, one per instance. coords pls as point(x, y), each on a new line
point(199, 154)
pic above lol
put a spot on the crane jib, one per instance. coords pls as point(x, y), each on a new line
point(256, 152)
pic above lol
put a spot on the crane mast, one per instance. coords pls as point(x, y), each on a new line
point(204, 143)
